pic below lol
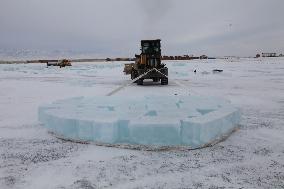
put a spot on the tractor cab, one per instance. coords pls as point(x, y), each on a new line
point(150, 56)
point(151, 47)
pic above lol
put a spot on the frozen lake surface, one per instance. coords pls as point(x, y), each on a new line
point(252, 157)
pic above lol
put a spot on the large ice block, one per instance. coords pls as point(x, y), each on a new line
point(155, 121)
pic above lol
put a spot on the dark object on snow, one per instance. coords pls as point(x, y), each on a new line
point(148, 64)
point(217, 71)
point(269, 55)
point(60, 63)
point(203, 57)
point(194, 71)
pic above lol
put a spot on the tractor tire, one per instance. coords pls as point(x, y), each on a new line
point(140, 82)
point(134, 75)
point(164, 81)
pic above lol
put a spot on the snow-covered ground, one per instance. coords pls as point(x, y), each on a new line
point(253, 157)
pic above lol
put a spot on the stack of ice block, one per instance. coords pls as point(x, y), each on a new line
point(150, 120)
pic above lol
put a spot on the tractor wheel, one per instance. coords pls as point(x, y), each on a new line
point(140, 82)
point(134, 75)
point(164, 81)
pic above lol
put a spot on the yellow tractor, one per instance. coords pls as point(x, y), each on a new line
point(148, 64)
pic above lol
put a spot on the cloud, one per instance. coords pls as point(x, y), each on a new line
point(115, 27)
point(155, 10)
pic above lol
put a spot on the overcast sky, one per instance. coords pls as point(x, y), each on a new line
point(115, 27)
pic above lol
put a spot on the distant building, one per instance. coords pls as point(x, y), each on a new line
point(184, 57)
point(268, 54)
